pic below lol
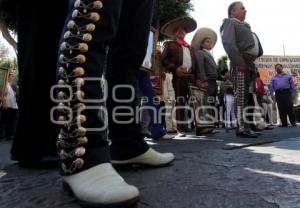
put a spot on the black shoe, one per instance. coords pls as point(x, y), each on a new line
point(204, 131)
point(45, 162)
point(148, 135)
point(172, 131)
point(255, 132)
point(10, 138)
point(215, 131)
point(247, 134)
point(283, 125)
point(254, 128)
point(294, 124)
point(269, 127)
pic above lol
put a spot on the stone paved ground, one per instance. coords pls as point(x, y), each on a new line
point(219, 171)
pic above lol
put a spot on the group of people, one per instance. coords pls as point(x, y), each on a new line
point(191, 74)
point(96, 117)
point(195, 72)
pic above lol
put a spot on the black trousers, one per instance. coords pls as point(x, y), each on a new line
point(212, 92)
point(114, 46)
point(38, 40)
point(8, 122)
point(250, 111)
point(285, 106)
point(127, 52)
point(182, 96)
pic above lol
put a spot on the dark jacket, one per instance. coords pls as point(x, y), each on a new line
point(172, 58)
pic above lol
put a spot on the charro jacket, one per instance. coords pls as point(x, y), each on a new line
point(172, 58)
point(237, 38)
point(206, 66)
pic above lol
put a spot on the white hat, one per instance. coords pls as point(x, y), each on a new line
point(201, 34)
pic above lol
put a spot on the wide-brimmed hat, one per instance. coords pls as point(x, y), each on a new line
point(201, 34)
point(188, 23)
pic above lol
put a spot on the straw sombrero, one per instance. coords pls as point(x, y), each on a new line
point(188, 23)
point(201, 34)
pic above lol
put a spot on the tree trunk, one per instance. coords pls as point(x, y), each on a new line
point(7, 36)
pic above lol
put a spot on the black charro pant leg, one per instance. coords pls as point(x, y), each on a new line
point(127, 52)
point(38, 40)
point(89, 27)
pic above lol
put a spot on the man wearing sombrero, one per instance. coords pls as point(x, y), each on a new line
point(206, 73)
point(178, 58)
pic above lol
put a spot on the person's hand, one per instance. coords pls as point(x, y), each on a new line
point(4, 105)
point(180, 72)
point(273, 98)
point(163, 75)
point(241, 68)
point(203, 85)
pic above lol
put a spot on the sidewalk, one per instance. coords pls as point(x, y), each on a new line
point(219, 171)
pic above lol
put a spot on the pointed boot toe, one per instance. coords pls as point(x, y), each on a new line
point(101, 186)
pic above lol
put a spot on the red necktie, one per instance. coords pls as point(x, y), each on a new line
point(182, 43)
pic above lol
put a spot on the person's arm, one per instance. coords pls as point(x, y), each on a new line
point(228, 35)
point(201, 79)
point(260, 87)
point(4, 98)
point(200, 66)
point(292, 84)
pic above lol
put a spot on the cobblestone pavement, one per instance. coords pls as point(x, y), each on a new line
point(209, 172)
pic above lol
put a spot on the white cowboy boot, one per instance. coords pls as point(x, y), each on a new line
point(101, 186)
point(149, 158)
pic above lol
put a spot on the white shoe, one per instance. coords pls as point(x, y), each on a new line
point(167, 136)
point(150, 158)
point(181, 134)
point(215, 131)
point(101, 186)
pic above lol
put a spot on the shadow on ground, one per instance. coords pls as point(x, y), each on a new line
point(207, 173)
